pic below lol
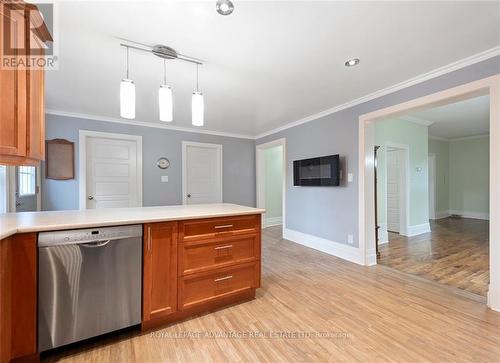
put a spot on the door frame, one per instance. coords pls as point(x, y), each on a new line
point(260, 191)
point(366, 227)
point(432, 191)
point(220, 160)
point(82, 161)
point(404, 201)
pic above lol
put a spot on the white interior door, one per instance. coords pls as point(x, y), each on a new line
point(202, 173)
point(432, 186)
point(393, 190)
point(113, 172)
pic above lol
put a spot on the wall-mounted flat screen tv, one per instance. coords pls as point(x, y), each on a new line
point(320, 171)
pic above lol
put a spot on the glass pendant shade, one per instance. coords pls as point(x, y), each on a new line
point(165, 103)
point(197, 109)
point(127, 98)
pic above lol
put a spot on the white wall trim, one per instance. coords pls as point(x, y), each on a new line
point(472, 215)
point(470, 137)
point(441, 214)
point(146, 124)
point(462, 63)
point(274, 221)
point(489, 85)
point(458, 138)
point(259, 175)
point(218, 147)
point(383, 234)
point(417, 229)
point(346, 252)
point(82, 162)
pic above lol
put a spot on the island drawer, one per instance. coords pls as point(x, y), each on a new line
point(200, 289)
point(213, 227)
point(197, 256)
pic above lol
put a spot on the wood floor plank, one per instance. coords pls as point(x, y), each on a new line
point(373, 314)
point(455, 253)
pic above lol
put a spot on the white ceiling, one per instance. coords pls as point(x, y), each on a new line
point(466, 118)
point(266, 65)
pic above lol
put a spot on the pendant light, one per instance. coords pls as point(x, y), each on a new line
point(165, 98)
point(127, 96)
point(197, 106)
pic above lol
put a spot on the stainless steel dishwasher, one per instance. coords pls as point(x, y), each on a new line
point(89, 283)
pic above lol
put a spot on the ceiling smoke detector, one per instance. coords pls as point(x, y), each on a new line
point(224, 7)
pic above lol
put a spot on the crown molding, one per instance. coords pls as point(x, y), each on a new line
point(416, 120)
point(469, 137)
point(462, 63)
point(146, 124)
point(437, 138)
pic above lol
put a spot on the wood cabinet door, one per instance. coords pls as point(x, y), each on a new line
point(13, 86)
point(36, 115)
point(160, 270)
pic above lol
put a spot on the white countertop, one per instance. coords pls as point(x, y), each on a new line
point(11, 223)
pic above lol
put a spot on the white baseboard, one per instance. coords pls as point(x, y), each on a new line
point(417, 229)
point(441, 214)
point(346, 252)
point(473, 215)
point(275, 221)
point(383, 235)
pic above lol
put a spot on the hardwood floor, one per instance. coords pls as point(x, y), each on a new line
point(373, 314)
point(455, 253)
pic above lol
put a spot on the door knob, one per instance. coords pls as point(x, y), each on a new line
point(90, 197)
point(189, 195)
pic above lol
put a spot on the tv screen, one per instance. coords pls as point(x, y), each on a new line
point(320, 171)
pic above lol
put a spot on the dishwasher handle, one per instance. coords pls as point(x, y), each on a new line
point(95, 244)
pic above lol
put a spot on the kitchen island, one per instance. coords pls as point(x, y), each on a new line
point(195, 259)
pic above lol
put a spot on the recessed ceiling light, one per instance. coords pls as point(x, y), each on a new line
point(352, 62)
point(224, 7)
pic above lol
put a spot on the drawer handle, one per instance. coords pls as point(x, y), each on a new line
point(223, 278)
point(223, 226)
point(223, 247)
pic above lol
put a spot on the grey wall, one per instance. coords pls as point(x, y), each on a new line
point(238, 163)
point(332, 212)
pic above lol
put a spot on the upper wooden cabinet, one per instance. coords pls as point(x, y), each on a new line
point(22, 102)
point(159, 270)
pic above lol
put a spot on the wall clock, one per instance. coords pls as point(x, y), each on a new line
point(163, 163)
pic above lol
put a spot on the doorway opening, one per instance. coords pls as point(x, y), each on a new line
point(271, 181)
point(433, 193)
point(20, 188)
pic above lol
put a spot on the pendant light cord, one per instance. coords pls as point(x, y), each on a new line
point(127, 63)
point(197, 90)
point(164, 71)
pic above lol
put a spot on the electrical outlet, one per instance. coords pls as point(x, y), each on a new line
point(164, 178)
point(349, 177)
point(350, 239)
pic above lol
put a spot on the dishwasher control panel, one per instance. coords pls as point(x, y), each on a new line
point(75, 236)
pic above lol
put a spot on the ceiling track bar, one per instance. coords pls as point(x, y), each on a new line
point(166, 52)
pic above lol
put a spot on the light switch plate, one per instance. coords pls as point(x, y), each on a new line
point(164, 178)
point(349, 177)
